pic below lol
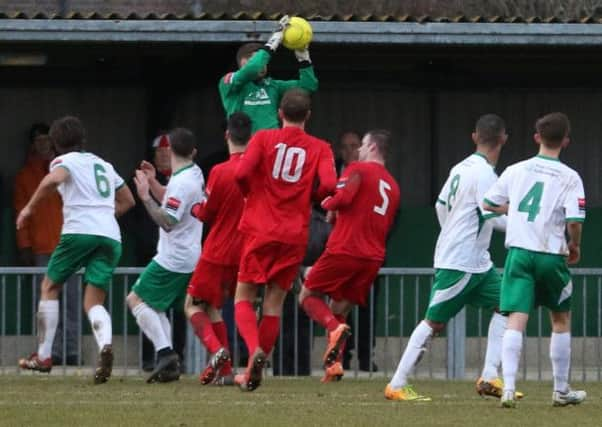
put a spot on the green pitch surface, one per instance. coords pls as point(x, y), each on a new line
point(42, 400)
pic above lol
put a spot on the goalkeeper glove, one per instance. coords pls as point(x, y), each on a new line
point(303, 55)
point(276, 38)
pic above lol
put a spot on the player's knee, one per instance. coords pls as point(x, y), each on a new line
point(437, 327)
point(132, 300)
point(49, 289)
point(303, 294)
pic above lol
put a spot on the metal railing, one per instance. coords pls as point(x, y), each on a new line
point(397, 303)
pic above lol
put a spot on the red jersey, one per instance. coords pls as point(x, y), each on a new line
point(222, 210)
point(278, 173)
point(367, 199)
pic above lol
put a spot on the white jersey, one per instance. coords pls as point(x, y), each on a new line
point(543, 194)
point(180, 249)
point(88, 195)
point(465, 235)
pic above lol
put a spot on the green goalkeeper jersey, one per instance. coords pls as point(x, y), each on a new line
point(259, 99)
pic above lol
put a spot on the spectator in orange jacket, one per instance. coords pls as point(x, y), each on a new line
point(43, 231)
point(38, 238)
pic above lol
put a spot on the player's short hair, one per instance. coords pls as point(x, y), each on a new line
point(38, 129)
point(239, 128)
point(382, 139)
point(182, 141)
point(246, 51)
point(295, 105)
point(489, 128)
point(553, 128)
point(67, 134)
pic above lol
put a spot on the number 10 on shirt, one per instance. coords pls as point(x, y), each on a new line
point(286, 157)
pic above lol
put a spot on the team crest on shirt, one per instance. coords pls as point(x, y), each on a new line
point(582, 204)
point(172, 204)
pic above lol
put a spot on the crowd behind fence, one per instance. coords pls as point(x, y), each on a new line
point(398, 306)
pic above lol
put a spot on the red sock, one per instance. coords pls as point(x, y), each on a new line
point(203, 329)
point(341, 318)
point(246, 323)
point(269, 328)
point(219, 328)
point(319, 311)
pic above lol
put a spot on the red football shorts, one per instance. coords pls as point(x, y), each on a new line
point(266, 261)
point(212, 283)
point(343, 277)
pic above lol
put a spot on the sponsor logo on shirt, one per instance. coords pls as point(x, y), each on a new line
point(581, 204)
point(259, 97)
point(172, 204)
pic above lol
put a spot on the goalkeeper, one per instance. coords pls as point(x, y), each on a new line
point(251, 91)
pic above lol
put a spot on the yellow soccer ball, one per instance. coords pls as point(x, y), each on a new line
point(298, 34)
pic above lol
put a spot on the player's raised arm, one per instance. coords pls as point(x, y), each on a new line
point(307, 77)
point(252, 61)
point(159, 216)
point(156, 189)
point(48, 185)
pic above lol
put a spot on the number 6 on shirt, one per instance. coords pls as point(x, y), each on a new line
point(383, 187)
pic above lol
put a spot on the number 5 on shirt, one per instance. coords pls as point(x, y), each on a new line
point(383, 187)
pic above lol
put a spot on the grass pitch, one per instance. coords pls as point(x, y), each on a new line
point(42, 400)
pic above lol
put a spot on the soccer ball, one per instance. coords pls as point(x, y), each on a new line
point(298, 34)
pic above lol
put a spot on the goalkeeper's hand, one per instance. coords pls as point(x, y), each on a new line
point(303, 55)
point(276, 37)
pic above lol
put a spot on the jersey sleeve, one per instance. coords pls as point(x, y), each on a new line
point(307, 81)
point(346, 189)
point(574, 202)
point(441, 203)
point(62, 162)
point(498, 195)
point(327, 175)
point(177, 200)
point(117, 180)
point(234, 81)
point(209, 206)
point(484, 183)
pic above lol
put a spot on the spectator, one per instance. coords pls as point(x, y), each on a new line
point(39, 237)
point(146, 235)
point(347, 152)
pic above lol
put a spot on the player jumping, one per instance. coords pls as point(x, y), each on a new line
point(365, 202)
point(214, 278)
point(277, 176)
point(250, 90)
point(544, 199)
point(93, 195)
point(163, 282)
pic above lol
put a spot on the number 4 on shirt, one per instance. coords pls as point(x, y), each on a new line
point(532, 201)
